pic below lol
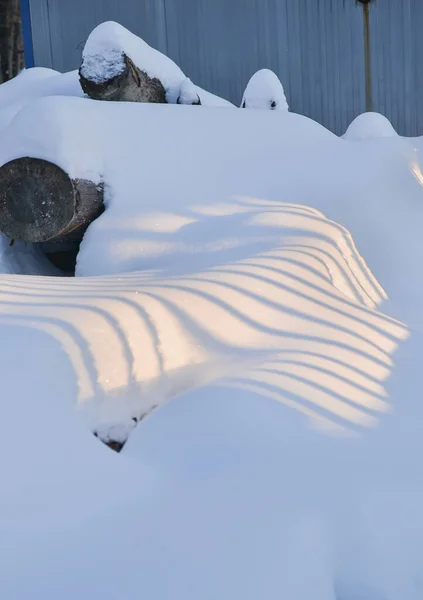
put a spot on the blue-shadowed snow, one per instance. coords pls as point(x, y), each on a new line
point(252, 298)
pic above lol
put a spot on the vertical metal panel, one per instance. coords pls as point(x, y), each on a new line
point(61, 26)
point(397, 52)
point(333, 81)
point(40, 26)
point(314, 46)
point(27, 33)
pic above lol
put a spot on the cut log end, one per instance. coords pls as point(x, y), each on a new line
point(40, 202)
point(107, 78)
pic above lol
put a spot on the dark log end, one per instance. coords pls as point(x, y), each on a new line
point(128, 83)
point(40, 202)
point(196, 102)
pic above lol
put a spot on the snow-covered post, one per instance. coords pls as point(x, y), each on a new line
point(264, 91)
point(39, 202)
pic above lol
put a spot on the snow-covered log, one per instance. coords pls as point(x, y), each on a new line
point(264, 91)
point(40, 202)
point(188, 94)
point(118, 65)
point(114, 76)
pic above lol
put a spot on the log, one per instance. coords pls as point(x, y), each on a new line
point(115, 77)
point(39, 202)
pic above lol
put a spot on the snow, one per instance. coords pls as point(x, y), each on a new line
point(24, 259)
point(34, 83)
point(264, 91)
point(248, 311)
point(369, 125)
point(188, 94)
point(110, 37)
point(103, 57)
point(102, 67)
point(112, 40)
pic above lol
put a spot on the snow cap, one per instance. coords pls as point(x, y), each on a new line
point(369, 125)
point(188, 93)
point(264, 91)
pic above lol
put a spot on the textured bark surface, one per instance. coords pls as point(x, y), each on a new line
point(11, 43)
point(40, 202)
point(131, 85)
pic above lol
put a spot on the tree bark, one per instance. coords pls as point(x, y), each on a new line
point(39, 202)
point(11, 42)
point(131, 84)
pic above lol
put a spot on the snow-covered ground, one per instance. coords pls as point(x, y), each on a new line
point(248, 311)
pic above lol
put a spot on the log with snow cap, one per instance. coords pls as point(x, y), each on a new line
point(264, 91)
point(188, 94)
point(39, 202)
point(117, 65)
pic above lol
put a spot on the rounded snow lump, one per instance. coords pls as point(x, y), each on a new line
point(369, 125)
point(264, 91)
point(188, 93)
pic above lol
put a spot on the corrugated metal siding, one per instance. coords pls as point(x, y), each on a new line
point(62, 26)
point(41, 33)
point(397, 53)
point(315, 46)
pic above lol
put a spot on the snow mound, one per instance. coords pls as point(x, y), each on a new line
point(264, 91)
point(112, 41)
point(246, 270)
point(188, 93)
point(170, 223)
point(15, 90)
point(31, 84)
point(369, 125)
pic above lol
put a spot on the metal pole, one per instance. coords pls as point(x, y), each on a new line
point(367, 57)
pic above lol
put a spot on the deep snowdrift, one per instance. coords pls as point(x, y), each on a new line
point(195, 216)
point(35, 83)
point(288, 462)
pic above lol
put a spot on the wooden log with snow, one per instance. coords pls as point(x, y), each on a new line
point(117, 65)
point(39, 202)
point(265, 91)
point(114, 76)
